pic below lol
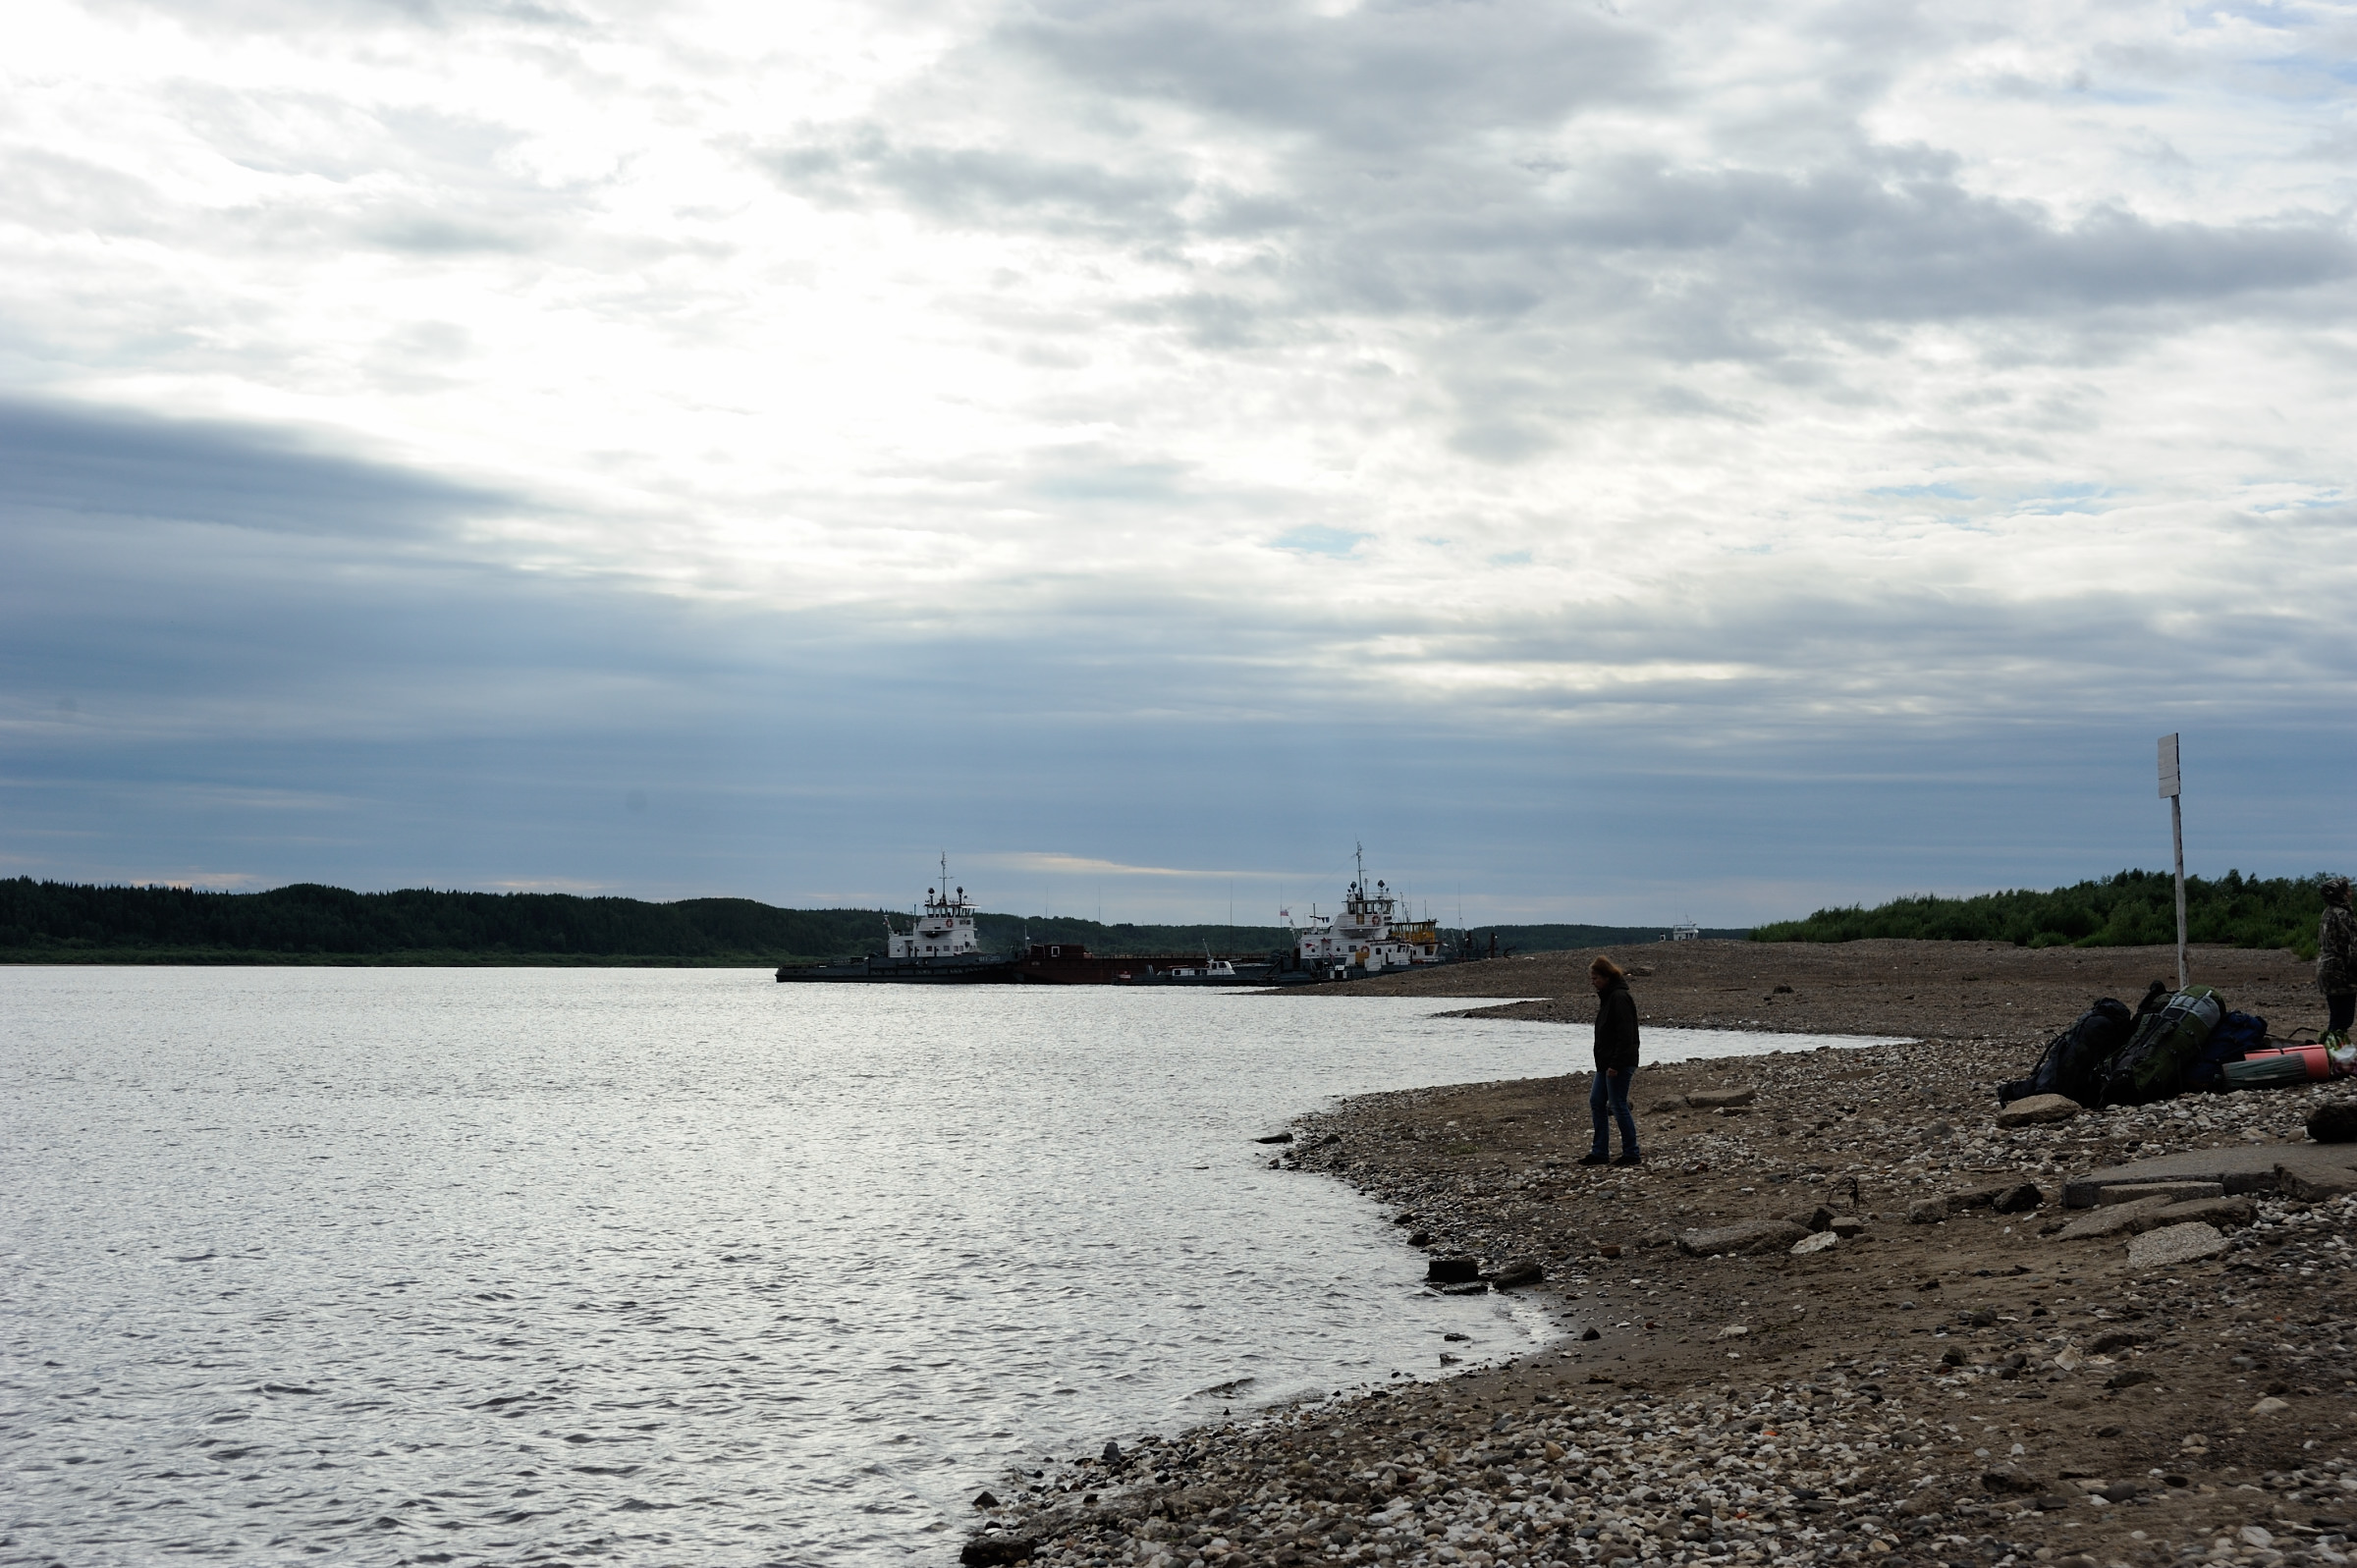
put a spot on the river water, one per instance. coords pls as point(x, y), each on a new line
point(382, 1266)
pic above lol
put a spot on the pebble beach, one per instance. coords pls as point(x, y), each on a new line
point(1951, 1367)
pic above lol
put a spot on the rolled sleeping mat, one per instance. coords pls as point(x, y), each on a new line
point(2293, 1064)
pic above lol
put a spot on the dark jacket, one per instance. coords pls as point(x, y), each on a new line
point(1616, 1028)
point(2335, 951)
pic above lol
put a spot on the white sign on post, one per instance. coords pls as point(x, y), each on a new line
point(2169, 787)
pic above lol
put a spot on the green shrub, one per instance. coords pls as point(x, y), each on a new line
point(2132, 909)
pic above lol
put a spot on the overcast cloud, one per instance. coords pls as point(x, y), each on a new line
point(1621, 461)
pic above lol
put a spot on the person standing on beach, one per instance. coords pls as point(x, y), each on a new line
point(2336, 960)
point(1616, 1062)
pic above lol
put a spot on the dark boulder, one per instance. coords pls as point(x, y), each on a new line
point(2333, 1122)
point(1456, 1270)
point(2010, 1478)
point(994, 1551)
point(2018, 1199)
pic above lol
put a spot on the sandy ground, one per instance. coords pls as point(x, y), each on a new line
point(1978, 1390)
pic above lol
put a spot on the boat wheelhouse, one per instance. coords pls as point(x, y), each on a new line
point(944, 928)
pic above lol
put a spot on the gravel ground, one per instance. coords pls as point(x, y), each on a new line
point(1949, 989)
point(1978, 1390)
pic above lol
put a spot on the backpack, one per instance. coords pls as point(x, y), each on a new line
point(2152, 1065)
point(2073, 1062)
point(2236, 1035)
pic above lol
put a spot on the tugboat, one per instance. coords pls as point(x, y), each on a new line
point(940, 949)
point(1366, 938)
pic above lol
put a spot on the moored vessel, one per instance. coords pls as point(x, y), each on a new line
point(1367, 936)
point(941, 947)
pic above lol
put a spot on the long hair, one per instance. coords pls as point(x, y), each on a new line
point(1605, 968)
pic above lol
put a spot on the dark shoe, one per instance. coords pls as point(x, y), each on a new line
point(1596, 1158)
point(1626, 1159)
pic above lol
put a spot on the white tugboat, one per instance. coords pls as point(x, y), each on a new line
point(940, 947)
point(1368, 936)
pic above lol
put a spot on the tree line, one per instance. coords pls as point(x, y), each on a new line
point(2131, 909)
point(54, 921)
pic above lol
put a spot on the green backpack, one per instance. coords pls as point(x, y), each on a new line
point(2152, 1065)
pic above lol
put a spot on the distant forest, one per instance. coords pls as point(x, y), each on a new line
point(2133, 910)
point(54, 922)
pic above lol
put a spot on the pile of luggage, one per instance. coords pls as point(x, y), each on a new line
point(2173, 1043)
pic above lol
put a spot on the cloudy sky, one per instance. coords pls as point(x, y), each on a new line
point(1619, 460)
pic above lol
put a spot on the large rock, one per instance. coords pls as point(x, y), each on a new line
point(994, 1551)
point(2334, 1121)
point(1819, 1241)
point(1452, 1271)
point(1927, 1210)
point(1719, 1098)
point(1753, 1235)
point(2018, 1199)
point(2314, 1186)
point(2036, 1110)
point(1516, 1272)
point(2171, 1245)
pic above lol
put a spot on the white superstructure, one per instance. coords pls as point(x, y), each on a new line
point(1368, 933)
point(944, 929)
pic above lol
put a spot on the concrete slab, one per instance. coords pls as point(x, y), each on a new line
point(2173, 1191)
point(2174, 1244)
point(2238, 1167)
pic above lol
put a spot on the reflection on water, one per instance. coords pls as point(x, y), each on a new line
point(525, 1264)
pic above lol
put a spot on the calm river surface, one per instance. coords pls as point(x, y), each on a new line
point(666, 1265)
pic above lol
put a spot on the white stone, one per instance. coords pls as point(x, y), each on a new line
point(1822, 1241)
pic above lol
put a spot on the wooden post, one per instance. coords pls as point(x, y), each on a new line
point(2172, 790)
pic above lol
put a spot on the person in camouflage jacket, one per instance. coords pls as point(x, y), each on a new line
point(2336, 957)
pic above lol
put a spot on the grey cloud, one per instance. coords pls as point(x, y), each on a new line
point(430, 233)
point(1853, 244)
point(61, 458)
point(1845, 243)
point(1380, 78)
point(343, 16)
point(990, 186)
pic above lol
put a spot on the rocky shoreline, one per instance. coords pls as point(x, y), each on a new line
point(1952, 1370)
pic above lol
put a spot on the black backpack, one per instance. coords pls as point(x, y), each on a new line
point(2236, 1035)
point(2074, 1058)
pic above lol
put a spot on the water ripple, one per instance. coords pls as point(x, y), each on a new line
point(532, 1266)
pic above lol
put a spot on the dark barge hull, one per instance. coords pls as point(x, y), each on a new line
point(907, 972)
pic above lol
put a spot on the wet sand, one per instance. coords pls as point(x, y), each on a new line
point(1975, 1390)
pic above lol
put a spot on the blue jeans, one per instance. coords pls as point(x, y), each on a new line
point(1612, 1091)
point(2340, 1010)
